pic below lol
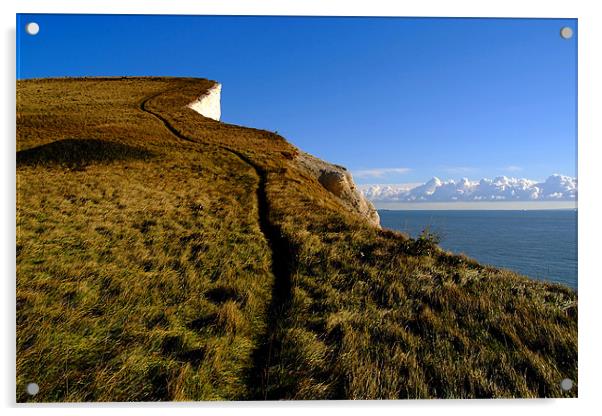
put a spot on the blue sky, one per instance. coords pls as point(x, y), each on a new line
point(396, 100)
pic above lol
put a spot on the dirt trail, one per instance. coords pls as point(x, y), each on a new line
point(281, 264)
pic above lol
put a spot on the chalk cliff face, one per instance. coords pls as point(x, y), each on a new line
point(338, 181)
point(208, 104)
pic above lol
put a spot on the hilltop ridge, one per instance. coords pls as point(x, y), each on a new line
point(164, 255)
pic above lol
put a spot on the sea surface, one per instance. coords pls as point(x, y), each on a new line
point(539, 244)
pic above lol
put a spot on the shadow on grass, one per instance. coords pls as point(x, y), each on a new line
point(78, 153)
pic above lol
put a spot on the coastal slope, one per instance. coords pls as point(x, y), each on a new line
point(164, 255)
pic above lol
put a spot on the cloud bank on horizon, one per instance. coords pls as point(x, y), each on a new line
point(378, 172)
point(554, 188)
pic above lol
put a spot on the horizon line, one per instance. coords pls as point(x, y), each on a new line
point(478, 206)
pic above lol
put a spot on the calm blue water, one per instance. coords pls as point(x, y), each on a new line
point(538, 244)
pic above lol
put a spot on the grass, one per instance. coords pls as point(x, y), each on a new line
point(162, 255)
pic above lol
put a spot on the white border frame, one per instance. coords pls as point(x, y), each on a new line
point(590, 135)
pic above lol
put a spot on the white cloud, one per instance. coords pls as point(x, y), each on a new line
point(512, 168)
point(555, 188)
point(379, 172)
point(459, 170)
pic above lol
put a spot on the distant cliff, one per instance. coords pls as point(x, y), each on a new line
point(208, 104)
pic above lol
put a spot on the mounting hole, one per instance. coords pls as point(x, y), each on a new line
point(32, 28)
point(566, 32)
point(566, 384)
point(32, 389)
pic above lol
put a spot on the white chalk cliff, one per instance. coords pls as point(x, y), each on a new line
point(208, 104)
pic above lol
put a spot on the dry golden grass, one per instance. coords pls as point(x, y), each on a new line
point(165, 256)
point(134, 269)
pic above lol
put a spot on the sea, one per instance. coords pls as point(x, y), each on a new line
point(541, 244)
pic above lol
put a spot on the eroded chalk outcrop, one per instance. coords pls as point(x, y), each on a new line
point(338, 181)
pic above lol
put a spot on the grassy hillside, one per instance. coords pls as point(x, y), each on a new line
point(162, 255)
